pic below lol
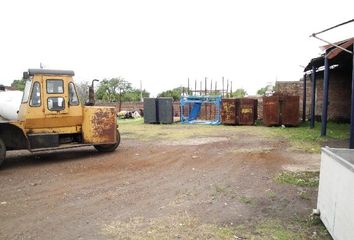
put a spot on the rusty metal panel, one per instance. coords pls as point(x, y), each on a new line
point(247, 114)
point(271, 111)
point(289, 110)
point(228, 111)
point(99, 125)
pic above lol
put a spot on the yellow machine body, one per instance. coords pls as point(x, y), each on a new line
point(52, 116)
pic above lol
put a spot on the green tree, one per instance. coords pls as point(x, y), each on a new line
point(19, 84)
point(111, 90)
point(239, 93)
point(82, 91)
point(174, 93)
point(263, 91)
point(134, 95)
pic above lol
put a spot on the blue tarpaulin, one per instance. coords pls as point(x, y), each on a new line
point(195, 111)
point(197, 102)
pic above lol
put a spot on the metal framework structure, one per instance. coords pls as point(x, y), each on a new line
point(331, 51)
point(193, 105)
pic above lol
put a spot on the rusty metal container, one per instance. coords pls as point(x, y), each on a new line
point(228, 111)
point(271, 111)
point(281, 110)
point(239, 111)
point(290, 110)
point(247, 111)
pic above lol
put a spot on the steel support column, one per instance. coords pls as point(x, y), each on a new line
point(304, 101)
point(325, 97)
point(313, 97)
point(351, 141)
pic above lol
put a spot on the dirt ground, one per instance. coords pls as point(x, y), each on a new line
point(200, 187)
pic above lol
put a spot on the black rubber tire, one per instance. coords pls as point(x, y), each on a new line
point(109, 147)
point(2, 151)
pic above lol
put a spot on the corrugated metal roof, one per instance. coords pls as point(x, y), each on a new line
point(334, 50)
point(333, 53)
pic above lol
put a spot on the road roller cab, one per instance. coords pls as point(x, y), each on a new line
point(51, 116)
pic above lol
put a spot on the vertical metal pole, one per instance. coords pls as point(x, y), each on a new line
point(205, 86)
point(325, 97)
point(351, 140)
point(195, 87)
point(227, 88)
point(211, 86)
point(304, 101)
point(188, 88)
point(222, 87)
point(201, 87)
point(231, 89)
point(313, 97)
point(216, 87)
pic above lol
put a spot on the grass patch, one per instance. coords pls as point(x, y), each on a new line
point(180, 226)
point(274, 229)
point(245, 200)
point(303, 179)
point(304, 195)
point(184, 226)
point(303, 137)
point(271, 194)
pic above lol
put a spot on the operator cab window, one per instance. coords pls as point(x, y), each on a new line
point(73, 99)
point(55, 86)
point(56, 103)
point(26, 91)
point(36, 95)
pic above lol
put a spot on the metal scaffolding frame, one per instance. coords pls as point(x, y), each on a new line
point(193, 105)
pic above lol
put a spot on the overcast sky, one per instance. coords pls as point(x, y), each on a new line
point(162, 43)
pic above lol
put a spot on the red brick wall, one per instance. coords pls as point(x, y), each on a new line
point(339, 94)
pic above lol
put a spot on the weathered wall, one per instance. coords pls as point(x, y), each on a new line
point(339, 94)
point(339, 98)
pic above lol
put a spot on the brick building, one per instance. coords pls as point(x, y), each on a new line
point(339, 91)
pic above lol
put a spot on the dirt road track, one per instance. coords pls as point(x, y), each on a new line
point(74, 194)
